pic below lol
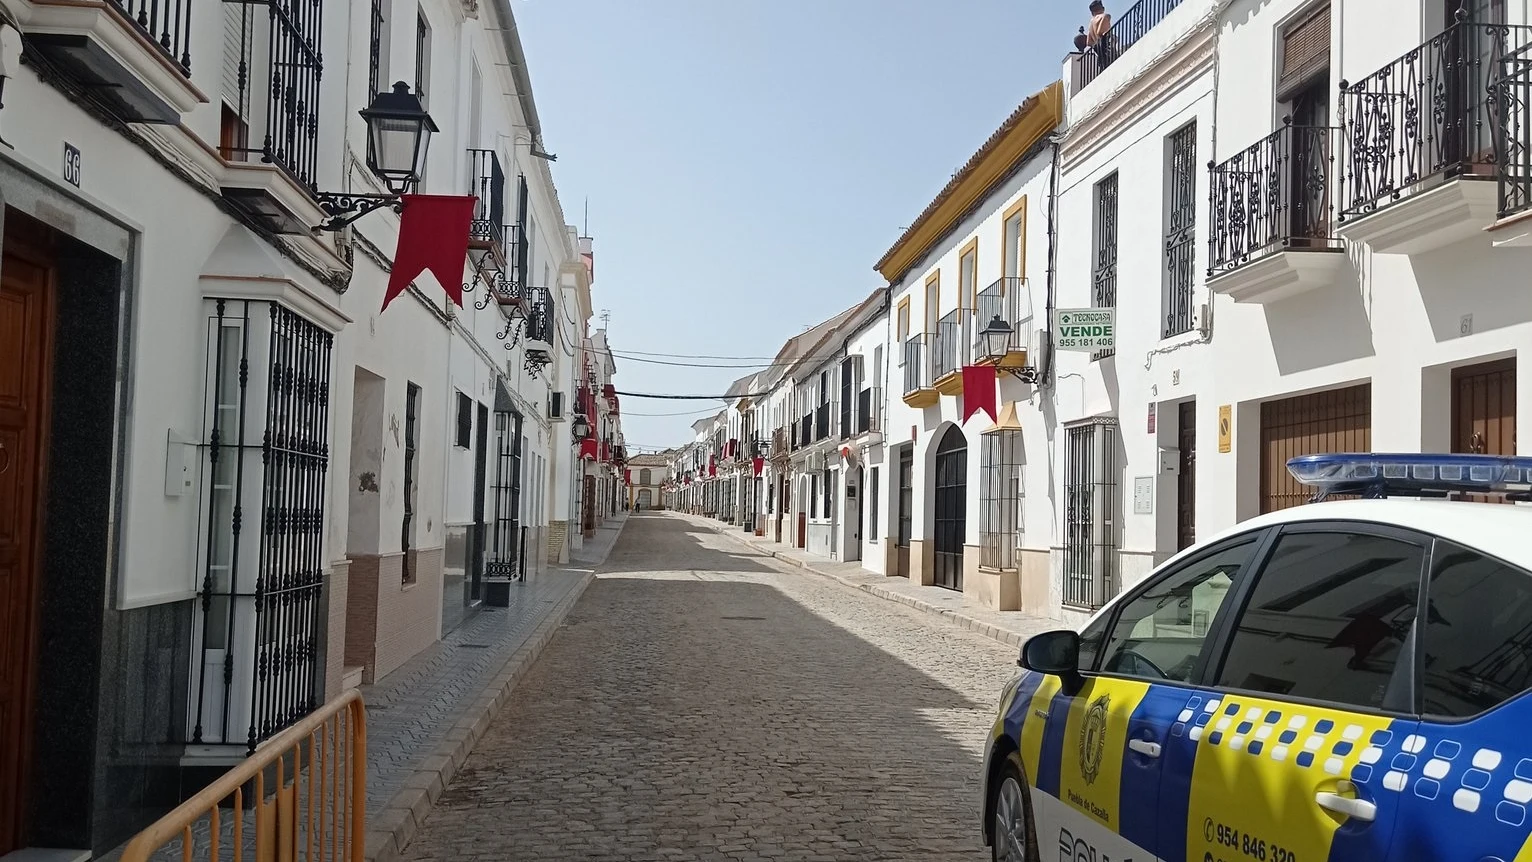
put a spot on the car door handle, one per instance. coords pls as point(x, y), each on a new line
point(1145, 747)
point(1357, 809)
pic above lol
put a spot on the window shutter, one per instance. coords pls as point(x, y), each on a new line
point(1305, 51)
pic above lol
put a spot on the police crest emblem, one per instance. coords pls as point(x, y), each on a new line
point(1093, 739)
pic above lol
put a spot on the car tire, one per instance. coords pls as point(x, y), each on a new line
point(1013, 814)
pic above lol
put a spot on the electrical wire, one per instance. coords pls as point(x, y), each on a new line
point(694, 397)
point(682, 413)
point(761, 365)
point(695, 355)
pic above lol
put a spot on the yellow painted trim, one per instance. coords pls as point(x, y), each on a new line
point(933, 309)
point(1005, 246)
point(921, 398)
point(1041, 120)
point(971, 249)
point(902, 320)
point(952, 384)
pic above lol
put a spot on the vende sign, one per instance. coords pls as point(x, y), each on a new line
point(1088, 329)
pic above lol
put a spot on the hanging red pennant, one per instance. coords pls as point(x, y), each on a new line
point(979, 382)
point(588, 449)
point(712, 466)
point(757, 464)
point(627, 477)
point(433, 237)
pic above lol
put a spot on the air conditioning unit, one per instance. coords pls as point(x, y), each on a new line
point(555, 406)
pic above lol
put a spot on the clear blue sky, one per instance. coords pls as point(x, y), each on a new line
point(748, 161)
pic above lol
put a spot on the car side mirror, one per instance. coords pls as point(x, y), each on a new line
point(1055, 653)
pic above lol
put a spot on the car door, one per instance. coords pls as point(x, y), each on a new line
point(1096, 755)
point(1464, 781)
point(1292, 749)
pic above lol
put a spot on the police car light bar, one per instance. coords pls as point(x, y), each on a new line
point(1381, 475)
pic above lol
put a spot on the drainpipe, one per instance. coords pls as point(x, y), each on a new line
point(1046, 373)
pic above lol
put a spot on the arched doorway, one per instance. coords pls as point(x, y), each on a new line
point(645, 498)
point(951, 495)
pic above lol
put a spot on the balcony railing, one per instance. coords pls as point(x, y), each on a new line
point(1126, 31)
point(917, 364)
point(166, 23)
point(1513, 97)
point(864, 407)
point(821, 422)
point(1273, 196)
point(487, 183)
point(1433, 114)
point(279, 68)
point(948, 344)
point(1009, 299)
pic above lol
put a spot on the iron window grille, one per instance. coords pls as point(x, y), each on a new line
point(422, 57)
point(1104, 272)
point(1272, 196)
point(259, 604)
point(848, 396)
point(1435, 114)
point(377, 39)
point(1090, 513)
point(1000, 498)
point(1181, 230)
point(505, 533)
point(906, 495)
point(277, 83)
point(872, 504)
point(407, 524)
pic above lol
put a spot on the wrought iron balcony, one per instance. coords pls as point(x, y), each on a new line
point(1142, 17)
point(167, 23)
point(1273, 196)
point(1513, 98)
point(947, 350)
point(1009, 299)
point(918, 390)
point(821, 422)
point(487, 183)
point(1429, 117)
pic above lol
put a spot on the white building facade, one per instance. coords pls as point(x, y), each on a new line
point(234, 421)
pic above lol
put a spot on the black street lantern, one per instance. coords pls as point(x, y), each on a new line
point(996, 337)
point(398, 136)
point(580, 428)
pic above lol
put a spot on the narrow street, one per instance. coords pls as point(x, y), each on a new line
point(702, 702)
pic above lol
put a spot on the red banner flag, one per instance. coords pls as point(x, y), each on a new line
point(588, 449)
point(757, 464)
point(627, 477)
point(979, 382)
point(433, 237)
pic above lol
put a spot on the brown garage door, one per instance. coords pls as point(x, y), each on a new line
point(1484, 408)
point(1339, 420)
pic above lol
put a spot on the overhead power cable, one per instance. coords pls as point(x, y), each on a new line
point(694, 355)
point(761, 365)
point(694, 397)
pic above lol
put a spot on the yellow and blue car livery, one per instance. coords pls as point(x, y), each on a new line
point(1236, 777)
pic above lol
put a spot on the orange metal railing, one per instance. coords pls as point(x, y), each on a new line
point(301, 796)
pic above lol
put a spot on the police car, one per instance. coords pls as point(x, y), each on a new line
point(1338, 682)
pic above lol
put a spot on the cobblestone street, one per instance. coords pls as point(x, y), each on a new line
point(703, 702)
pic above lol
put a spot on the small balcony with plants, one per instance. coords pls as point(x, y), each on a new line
point(1145, 34)
point(133, 56)
point(1424, 140)
point(918, 389)
point(1272, 231)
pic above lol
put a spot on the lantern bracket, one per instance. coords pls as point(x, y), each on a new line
point(343, 208)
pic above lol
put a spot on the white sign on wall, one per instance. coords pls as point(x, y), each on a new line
point(1088, 329)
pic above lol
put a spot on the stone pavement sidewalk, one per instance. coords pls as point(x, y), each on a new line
point(424, 718)
point(1007, 627)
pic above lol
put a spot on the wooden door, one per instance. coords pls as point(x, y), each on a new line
point(26, 326)
point(1337, 420)
point(1484, 412)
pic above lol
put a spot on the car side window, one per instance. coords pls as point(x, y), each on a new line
point(1327, 619)
point(1478, 639)
point(1159, 634)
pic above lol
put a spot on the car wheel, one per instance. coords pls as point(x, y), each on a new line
point(1015, 837)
